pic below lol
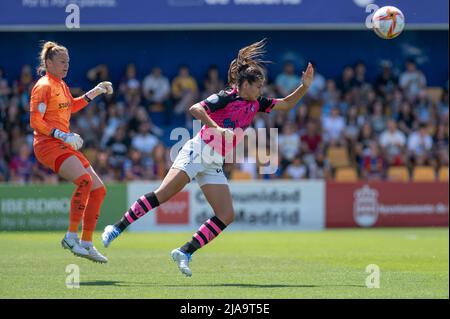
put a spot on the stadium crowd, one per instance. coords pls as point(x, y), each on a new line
point(395, 120)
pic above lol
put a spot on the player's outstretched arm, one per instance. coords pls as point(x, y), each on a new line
point(292, 99)
point(80, 102)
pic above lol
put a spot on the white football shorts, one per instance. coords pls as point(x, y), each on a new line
point(200, 162)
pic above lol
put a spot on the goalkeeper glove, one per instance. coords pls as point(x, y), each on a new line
point(101, 88)
point(73, 139)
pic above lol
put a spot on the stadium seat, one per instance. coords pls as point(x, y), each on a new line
point(338, 157)
point(434, 93)
point(424, 174)
point(346, 174)
point(443, 174)
point(239, 175)
point(398, 173)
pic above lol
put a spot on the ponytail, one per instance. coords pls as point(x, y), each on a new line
point(248, 65)
point(48, 51)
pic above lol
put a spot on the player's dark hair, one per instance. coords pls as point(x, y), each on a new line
point(248, 66)
point(48, 51)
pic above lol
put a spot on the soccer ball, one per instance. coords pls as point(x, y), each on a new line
point(388, 22)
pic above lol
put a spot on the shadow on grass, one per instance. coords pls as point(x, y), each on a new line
point(234, 285)
point(264, 286)
point(103, 283)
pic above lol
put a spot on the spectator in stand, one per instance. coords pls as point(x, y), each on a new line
point(360, 75)
point(4, 155)
point(386, 82)
point(5, 91)
point(311, 141)
point(288, 143)
point(348, 99)
point(184, 91)
point(104, 169)
point(118, 145)
point(134, 167)
point(330, 97)
point(141, 116)
point(25, 82)
point(302, 116)
point(353, 123)
point(17, 139)
point(130, 86)
point(98, 74)
point(395, 101)
point(286, 82)
point(378, 118)
point(161, 161)
point(270, 168)
point(42, 174)
point(212, 82)
point(279, 120)
point(89, 123)
point(443, 105)
point(318, 85)
point(156, 90)
point(393, 142)
point(248, 164)
point(296, 170)
point(372, 163)
point(347, 80)
point(21, 165)
point(319, 168)
point(333, 128)
point(423, 109)
point(412, 80)
point(113, 122)
point(441, 146)
point(406, 119)
point(12, 115)
point(366, 136)
point(420, 144)
point(144, 141)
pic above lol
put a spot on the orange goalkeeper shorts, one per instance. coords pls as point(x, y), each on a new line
point(52, 153)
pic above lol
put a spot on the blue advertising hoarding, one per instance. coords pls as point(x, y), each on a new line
point(213, 14)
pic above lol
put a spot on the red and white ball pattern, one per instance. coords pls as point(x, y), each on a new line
point(388, 22)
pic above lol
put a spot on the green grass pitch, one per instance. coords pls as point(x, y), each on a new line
point(414, 263)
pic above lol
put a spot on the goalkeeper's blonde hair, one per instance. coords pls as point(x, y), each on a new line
point(48, 51)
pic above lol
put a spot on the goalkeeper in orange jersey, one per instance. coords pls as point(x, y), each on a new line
point(56, 147)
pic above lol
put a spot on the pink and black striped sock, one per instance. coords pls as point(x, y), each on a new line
point(207, 232)
point(142, 206)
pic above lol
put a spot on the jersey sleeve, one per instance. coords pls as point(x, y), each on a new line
point(38, 106)
point(78, 103)
point(215, 102)
point(266, 104)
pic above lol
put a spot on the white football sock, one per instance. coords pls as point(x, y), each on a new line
point(86, 244)
point(70, 235)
